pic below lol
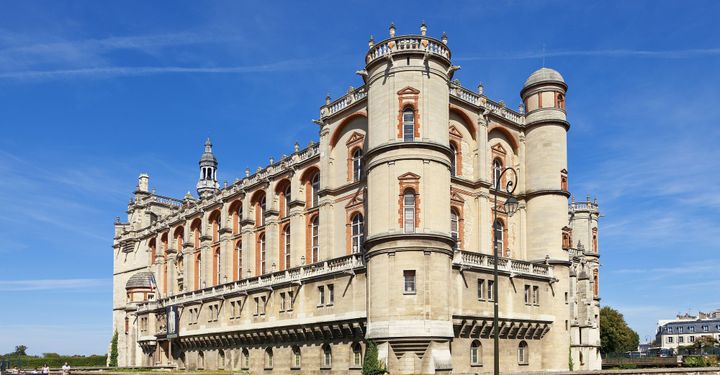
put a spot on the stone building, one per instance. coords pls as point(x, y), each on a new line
point(686, 329)
point(382, 230)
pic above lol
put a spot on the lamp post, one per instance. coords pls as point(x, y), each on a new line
point(510, 206)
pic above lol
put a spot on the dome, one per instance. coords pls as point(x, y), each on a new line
point(544, 75)
point(141, 280)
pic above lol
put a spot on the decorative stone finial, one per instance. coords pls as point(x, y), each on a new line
point(258, 169)
point(272, 160)
point(225, 184)
point(443, 38)
point(311, 143)
point(296, 147)
point(392, 29)
point(117, 219)
point(371, 42)
point(521, 108)
point(247, 172)
point(423, 28)
point(481, 88)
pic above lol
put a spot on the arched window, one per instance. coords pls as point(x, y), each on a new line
point(245, 359)
point(268, 358)
point(221, 359)
point(596, 284)
point(357, 233)
point(498, 236)
point(409, 211)
point(476, 353)
point(497, 170)
point(454, 228)
point(201, 360)
point(261, 250)
point(357, 164)
point(594, 240)
point(238, 260)
point(297, 357)
point(287, 195)
point(408, 125)
point(453, 160)
point(315, 232)
point(356, 360)
point(262, 206)
point(315, 186)
point(523, 353)
point(153, 252)
point(235, 213)
point(286, 247)
point(198, 271)
point(218, 267)
point(327, 356)
point(215, 225)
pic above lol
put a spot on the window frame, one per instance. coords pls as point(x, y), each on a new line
point(409, 282)
point(409, 210)
point(408, 123)
point(357, 233)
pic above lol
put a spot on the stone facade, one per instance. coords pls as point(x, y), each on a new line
point(383, 231)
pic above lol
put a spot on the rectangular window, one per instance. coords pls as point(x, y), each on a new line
point(409, 279)
point(491, 290)
point(232, 309)
point(670, 339)
point(680, 329)
point(263, 302)
point(290, 301)
point(481, 289)
point(668, 329)
point(331, 294)
point(681, 339)
point(536, 295)
point(282, 302)
point(705, 328)
point(321, 295)
point(257, 306)
point(691, 329)
point(527, 294)
point(692, 338)
point(566, 298)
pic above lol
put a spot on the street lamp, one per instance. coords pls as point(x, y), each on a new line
point(510, 206)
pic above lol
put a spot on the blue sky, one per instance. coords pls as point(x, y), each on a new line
point(93, 93)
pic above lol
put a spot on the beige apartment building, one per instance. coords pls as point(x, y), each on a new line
point(382, 230)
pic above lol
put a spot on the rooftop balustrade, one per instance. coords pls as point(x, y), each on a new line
point(345, 264)
point(505, 265)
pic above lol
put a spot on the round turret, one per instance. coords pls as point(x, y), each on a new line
point(140, 287)
point(207, 184)
point(544, 96)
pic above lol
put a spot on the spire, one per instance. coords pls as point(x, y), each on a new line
point(207, 183)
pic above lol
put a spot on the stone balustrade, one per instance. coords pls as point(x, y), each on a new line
point(505, 265)
point(352, 96)
point(483, 102)
point(422, 44)
point(588, 205)
point(348, 263)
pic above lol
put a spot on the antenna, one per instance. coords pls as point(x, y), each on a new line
point(543, 55)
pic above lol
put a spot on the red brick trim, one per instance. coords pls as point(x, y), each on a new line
point(408, 97)
point(406, 181)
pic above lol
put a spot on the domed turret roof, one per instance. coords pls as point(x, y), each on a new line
point(140, 280)
point(544, 75)
point(208, 155)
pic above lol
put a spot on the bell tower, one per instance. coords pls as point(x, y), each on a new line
point(409, 246)
point(207, 184)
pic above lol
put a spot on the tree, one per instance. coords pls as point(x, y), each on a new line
point(615, 335)
point(372, 365)
point(20, 350)
point(113, 351)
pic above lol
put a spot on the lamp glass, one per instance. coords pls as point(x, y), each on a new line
point(511, 205)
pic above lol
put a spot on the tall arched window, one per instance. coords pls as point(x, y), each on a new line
point(453, 160)
point(245, 359)
point(261, 248)
point(268, 358)
point(408, 125)
point(297, 357)
point(497, 170)
point(218, 267)
point(315, 186)
point(523, 353)
point(356, 355)
point(263, 207)
point(409, 211)
point(357, 233)
point(327, 356)
point(454, 228)
point(288, 197)
point(499, 240)
point(215, 225)
point(286, 247)
point(315, 239)
point(357, 164)
point(153, 252)
point(198, 271)
point(476, 353)
point(238, 260)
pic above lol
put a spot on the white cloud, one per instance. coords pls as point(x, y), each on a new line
point(614, 53)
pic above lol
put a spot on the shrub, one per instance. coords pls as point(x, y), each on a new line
point(372, 365)
point(114, 351)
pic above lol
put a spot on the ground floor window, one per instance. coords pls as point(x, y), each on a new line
point(523, 353)
point(356, 355)
point(297, 357)
point(476, 353)
point(326, 356)
point(268, 358)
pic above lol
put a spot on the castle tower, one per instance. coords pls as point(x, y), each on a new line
point(408, 180)
point(545, 176)
point(207, 184)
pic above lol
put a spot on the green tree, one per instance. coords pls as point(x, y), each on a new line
point(114, 351)
point(372, 365)
point(20, 350)
point(615, 335)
